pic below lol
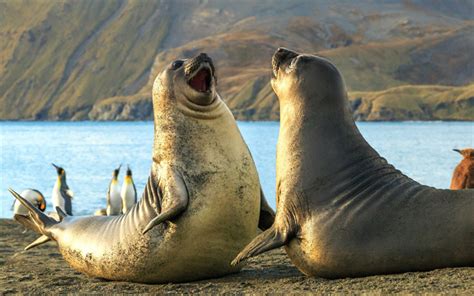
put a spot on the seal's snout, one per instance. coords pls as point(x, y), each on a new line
point(204, 56)
point(200, 73)
point(281, 56)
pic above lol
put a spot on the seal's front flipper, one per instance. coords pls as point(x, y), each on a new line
point(269, 239)
point(175, 197)
point(26, 221)
point(267, 215)
point(39, 241)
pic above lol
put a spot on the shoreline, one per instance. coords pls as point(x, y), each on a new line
point(42, 269)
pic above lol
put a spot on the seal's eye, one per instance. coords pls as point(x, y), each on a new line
point(176, 64)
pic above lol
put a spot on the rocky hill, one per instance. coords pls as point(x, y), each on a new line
point(81, 60)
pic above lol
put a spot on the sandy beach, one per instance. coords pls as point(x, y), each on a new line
point(42, 270)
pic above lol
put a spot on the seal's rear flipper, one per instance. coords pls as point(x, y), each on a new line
point(269, 239)
point(37, 220)
point(39, 241)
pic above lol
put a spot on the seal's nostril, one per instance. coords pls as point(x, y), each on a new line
point(283, 54)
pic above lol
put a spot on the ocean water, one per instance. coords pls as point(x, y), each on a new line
point(89, 151)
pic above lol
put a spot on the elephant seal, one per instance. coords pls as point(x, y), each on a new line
point(202, 202)
point(342, 210)
point(463, 175)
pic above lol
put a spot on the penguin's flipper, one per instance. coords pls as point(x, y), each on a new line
point(61, 214)
point(40, 220)
point(70, 193)
point(39, 241)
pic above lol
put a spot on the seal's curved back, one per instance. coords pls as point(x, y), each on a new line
point(342, 210)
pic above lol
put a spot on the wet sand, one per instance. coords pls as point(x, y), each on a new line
point(42, 270)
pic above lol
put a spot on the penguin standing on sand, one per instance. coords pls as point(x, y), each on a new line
point(114, 200)
point(62, 195)
point(129, 192)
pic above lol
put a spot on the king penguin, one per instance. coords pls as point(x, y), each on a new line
point(62, 195)
point(114, 200)
point(20, 213)
point(129, 192)
point(33, 196)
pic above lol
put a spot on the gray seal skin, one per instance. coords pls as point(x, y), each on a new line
point(201, 204)
point(342, 210)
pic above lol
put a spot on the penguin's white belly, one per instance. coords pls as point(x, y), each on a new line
point(18, 208)
point(128, 196)
point(58, 200)
point(29, 195)
point(115, 201)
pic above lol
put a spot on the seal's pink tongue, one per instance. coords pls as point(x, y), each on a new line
point(200, 81)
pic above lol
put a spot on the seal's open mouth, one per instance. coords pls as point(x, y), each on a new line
point(201, 81)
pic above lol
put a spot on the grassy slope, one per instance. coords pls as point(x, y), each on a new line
point(81, 63)
point(38, 67)
point(410, 102)
point(75, 60)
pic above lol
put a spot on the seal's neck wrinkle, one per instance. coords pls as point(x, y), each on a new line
point(211, 111)
point(151, 195)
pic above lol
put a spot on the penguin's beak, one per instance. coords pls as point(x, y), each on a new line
point(118, 169)
point(59, 170)
point(42, 206)
point(458, 151)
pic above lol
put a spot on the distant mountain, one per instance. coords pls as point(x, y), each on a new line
point(80, 60)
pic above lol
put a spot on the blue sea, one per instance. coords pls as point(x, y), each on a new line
point(89, 151)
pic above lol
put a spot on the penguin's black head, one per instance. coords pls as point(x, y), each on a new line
point(40, 201)
point(117, 172)
point(129, 171)
point(59, 170)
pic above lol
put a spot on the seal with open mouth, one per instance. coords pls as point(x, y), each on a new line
point(342, 210)
point(202, 202)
